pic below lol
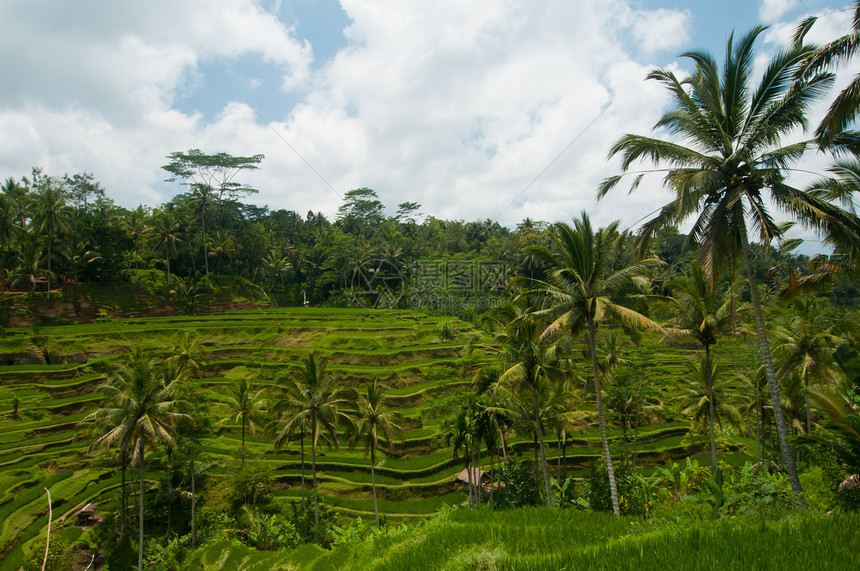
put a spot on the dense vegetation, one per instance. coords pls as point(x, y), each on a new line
point(587, 369)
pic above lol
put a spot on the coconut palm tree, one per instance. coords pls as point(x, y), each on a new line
point(527, 361)
point(729, 168)
point(582, 291)
point(185, 352)
point(372, 421)
point(164, 235)
point(246, 406)
point(137, 412)
point(460, 435)
point(806, 342)
point(707, 395)
point(698, 310)
point(50, 220)
point(313, 400)
point(136, 228)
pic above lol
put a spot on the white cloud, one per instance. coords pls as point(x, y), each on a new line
point(773, 10)
point(456, 105)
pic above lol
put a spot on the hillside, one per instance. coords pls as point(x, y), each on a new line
point(52, 373)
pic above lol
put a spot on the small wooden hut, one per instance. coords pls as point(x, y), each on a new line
point(87, 516)
point(475, 475)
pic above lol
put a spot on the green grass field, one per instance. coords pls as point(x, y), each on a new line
point(44, 447)
point(537, 539)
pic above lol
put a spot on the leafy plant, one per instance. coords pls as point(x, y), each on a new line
point(631, 496)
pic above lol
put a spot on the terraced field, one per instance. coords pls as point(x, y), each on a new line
point(50, 375)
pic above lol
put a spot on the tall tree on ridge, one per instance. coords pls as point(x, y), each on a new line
point(373, 421)
point(244, 405)
point(730, 167)
point(698, 310)
point(582, 291)
point(314, 400)
point(164, 235)
point(211, 179)
point(138, 412)
point(50, 217)
point(806, 341)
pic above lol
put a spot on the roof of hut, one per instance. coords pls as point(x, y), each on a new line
point(476, 473)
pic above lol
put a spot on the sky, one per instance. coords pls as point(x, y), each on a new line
point(487, 109)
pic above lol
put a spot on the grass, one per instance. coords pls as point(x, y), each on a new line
point(538, 539)
point(401, 347)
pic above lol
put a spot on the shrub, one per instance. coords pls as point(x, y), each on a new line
point(520, 485)
point(631, 493)
point(446, 330)
point(61, 555)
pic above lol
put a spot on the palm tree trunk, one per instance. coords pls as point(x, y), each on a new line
point(243, 441)
point(764, 346)
point(480, 482)
point(469, 477)
point(564, 456)
point(314, 472)
point(205, 256)
point(123, 494)
point(539, 431)
point(711, 413)
point(808, 413)
point(373, 482)
point(607, 454)
point(302, 444)
point(558, 463)
point(140, 512)
point(193, 503)
point(758, 426)
point(48, 292)
point(167, 532)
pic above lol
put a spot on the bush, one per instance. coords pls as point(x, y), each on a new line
point(520, 485)
point(61, 555)
point(817, 491)
point(446, 330)
point(631, 493)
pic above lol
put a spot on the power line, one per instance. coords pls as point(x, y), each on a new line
point(298, 154)
point(552, 162)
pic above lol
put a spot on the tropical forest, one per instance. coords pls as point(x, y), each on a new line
point(211, 384)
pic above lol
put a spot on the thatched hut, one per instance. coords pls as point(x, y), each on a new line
point(475, 475)
point(87, 516)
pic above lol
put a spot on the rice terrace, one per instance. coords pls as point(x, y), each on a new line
point(212, 383)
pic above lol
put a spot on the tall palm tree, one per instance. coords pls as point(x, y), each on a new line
point(313, 399)
point(730, 167)
point(7, 231)
point(459, 431)
point(201, 200)
point(373, 421)
point(135, 227)
point(164, 235)
point(245, 406)
point(806, 341)
point(697, 309)
point(527, 360)
point(138, 412)
point(707, 395)
point(186, 352)
point(50, 220)
point(582, 291)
